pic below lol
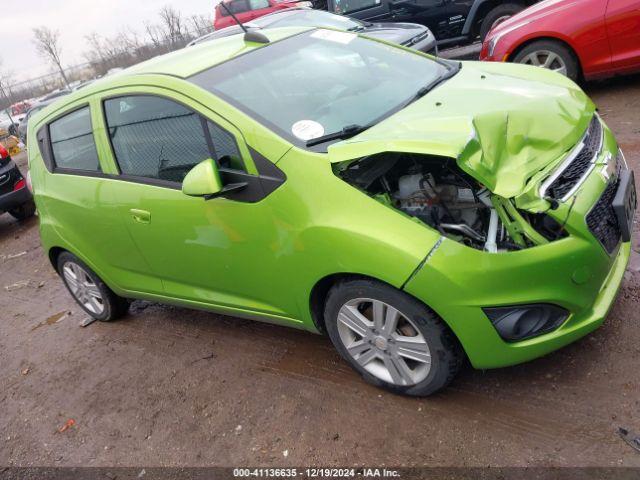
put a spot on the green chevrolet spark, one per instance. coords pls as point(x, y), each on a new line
point(418, 211)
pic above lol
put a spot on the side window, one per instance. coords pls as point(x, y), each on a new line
point(239, 6)
point(72, 142)
point(225, 148)
point(154, 137)
point(258, 4)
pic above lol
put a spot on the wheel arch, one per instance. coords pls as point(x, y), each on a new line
point(528, 41)
point(481, 8)
point(54, 254)
point(320, 291)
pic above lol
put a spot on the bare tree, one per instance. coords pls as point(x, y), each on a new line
point(200, 24)
point(4, 81)
point(172, 25)
point(95, 52)
point(154, 33)
point(128, 40)
point(47, 44)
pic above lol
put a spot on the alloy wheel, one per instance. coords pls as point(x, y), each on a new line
point(83, 288)
point(384, 341)
point(546, 59)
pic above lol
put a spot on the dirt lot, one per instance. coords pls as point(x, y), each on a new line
point(170, 386)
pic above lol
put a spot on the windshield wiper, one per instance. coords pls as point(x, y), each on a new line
point(434, 83)
point(346, 132)
point(353, 130)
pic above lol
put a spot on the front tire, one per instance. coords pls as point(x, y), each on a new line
point(550, 55)
point(391, 339)
point(89, 291)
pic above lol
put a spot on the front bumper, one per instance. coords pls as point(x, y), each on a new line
point(12, 200)
point(575, 273)
point(520, 283)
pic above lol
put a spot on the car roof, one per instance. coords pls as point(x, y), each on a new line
point(189, 61)
point(261, 22)
point(181, 63)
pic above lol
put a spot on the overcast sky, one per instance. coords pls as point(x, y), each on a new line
point(74, 19)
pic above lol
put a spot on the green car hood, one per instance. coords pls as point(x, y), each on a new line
point(503, 123)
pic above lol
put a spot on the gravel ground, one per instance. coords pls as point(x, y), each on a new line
point(168, 386)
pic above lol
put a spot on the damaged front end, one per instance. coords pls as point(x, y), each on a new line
point(493, 178)
point(436, 192)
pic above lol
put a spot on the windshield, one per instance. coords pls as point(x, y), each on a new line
point(310, 18)
point(320, 81)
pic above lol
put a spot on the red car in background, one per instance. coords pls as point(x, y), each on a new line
point(247, 10)
point(20, 108)
point(578, 38)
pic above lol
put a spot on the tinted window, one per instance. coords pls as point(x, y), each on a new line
point(72, 142)
point(154, 137)
point(258, 4)
point(225, 147)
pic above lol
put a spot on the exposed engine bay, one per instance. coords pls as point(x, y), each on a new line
point(436, 192)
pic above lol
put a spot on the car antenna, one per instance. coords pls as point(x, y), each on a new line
point(249, 36)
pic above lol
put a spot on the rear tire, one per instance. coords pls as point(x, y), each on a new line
point(391, 339)
point(496, 15)
point(89, 291)
point(24, 211)
point(557, 54)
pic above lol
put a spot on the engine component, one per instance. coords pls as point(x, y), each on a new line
point(436, 192)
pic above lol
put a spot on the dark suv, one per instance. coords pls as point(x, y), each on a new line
point(451, 21)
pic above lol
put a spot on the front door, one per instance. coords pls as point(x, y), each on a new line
point(623, 30)
point(215, 252)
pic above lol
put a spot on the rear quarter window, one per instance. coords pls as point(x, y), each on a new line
point(72, 143)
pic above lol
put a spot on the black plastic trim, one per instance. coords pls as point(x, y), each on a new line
point(556, 317)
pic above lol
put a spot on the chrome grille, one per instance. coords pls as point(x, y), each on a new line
point(577, 166)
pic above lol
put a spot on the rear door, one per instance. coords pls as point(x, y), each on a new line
point(77, 200)
point(623, 31)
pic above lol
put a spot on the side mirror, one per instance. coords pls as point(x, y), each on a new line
point(203, 180)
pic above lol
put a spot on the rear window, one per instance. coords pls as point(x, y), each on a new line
point(72, 142)
point(236, 6)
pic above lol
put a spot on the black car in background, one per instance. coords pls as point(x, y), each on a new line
point(451, 21)
point(15, 197)
point(410, 35)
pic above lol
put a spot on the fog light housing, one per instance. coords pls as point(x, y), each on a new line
point(520, 322)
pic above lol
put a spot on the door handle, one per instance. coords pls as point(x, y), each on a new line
point(140, 216)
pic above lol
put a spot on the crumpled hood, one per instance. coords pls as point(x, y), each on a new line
point(502, 123)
